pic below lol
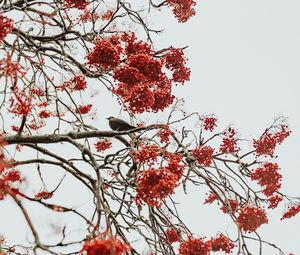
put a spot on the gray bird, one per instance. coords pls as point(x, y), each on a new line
point(118, 124)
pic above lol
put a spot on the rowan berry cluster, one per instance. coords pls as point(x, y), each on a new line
point(267, 143)
point(200, 246)
point(175, 61)
point(23, 101)
point(274, 201)
point(209, 123)
point(195, 246)
point(104, 247)
point(8, 175)
point(20, 103)
point(183, 9)
point(147, 66)
point(88, 16)
point(142, 83)
point(6, 26)
point(107, 15)
point(78, 4)
point(175, 165)
point(154, 185)
point(268, 177)
point(83, 109)
point(230, 207)
point(77, 83)
point(173, 235)
point(103, 144)
point(36, 125)
point(44, 114)
point(134, 46)
point(164, 134)
point(10, 68)
point(229, 144)
point(203, 155)
point(105, 54)
point(147, 153)
point(32, 103)
point(37, 92)
point(291, 211)
point(250, 218)
point(162, 95)
point(138, 98)
point(222, 243)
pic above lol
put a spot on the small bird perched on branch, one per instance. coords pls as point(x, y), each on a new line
point(119, 125)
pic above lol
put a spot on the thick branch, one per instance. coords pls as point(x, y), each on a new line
point(56, 138)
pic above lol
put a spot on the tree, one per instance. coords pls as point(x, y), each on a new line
point(55, 57)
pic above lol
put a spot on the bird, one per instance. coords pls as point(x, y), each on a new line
point(118, 124)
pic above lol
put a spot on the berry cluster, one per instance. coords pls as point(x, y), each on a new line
point(44, 114)
point(134, 46)
point(154, 185)
point(7, 175)
point(174, 164)
point(274, 201)
point(77, 83)
point(229, 144)
point(142, 84)
point(36, 125)
point(251, 218)
point(106, 54)
point(222, 243)
point(203, 155)
point(83, 109)
point(209, 123)
point(291, 211)
point(27, 101)
point(103, 144)
point(20, 103)
point(78, 4)
point(195, 246)
point(173, 235)
point(269, 177)
point(24, 100)
point(107, 15)
point(6, 26)
point(164, 134)
point(88, 16)
point(175, 61)
point(230, 207)
point(183, 9)
point(147, 153)
point(104, 247)
point(267, 143)
point(10, 68)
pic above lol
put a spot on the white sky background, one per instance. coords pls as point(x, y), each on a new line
point(245, 58)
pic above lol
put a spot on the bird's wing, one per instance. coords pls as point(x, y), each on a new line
point(120, 121)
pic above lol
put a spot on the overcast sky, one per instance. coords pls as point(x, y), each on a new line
point(245, 60)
